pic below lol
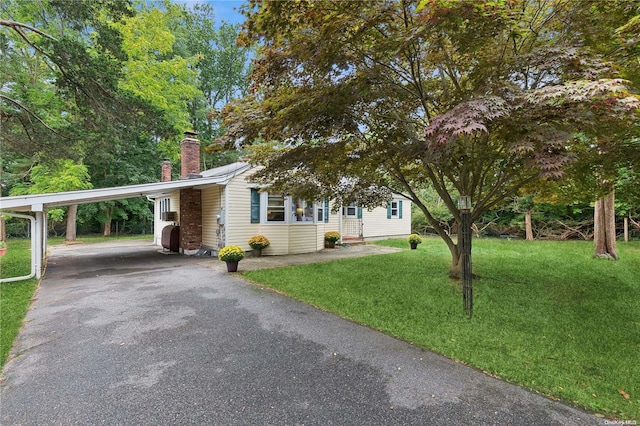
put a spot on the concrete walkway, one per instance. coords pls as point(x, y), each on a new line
point(125, 335)
point(251, 263)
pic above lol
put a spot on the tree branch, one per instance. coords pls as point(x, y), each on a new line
point(28, 111)
point(16, 26)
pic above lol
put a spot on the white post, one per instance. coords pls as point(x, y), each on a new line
point(38, 242)
point(340, 226)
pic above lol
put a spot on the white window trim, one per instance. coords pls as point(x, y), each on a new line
point(264, 207)
point(396, 208)
point(355, 211)
point(288, 201)
point(164, 205)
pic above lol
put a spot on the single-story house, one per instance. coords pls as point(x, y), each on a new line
point(232, 210)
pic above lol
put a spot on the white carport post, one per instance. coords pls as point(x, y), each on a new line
point(40, 240)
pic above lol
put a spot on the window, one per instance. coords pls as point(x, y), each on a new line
point(301, 210)
point(323, 212)
point(394, 209)
point(278, 208)
point(165, 205)
point(275, 208)
point(351, 210)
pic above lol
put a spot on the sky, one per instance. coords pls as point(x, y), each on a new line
point(226, 10)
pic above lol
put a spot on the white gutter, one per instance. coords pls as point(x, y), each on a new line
point(34, 231)
point(156, 189)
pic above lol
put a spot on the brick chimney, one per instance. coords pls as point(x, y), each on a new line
point(190, 198)
point(166, 171)
point(190, 152)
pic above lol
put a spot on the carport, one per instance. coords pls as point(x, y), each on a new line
point(35, 207)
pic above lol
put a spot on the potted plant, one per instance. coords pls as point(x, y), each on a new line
point(258, 243)
point(331, 237)
point(3, 248)
point(414, 240)
point(231, 255)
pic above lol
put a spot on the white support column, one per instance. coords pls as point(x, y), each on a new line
point(341, 224)
point(38, 242)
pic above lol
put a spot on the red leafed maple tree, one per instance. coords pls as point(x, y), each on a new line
point(353, 101)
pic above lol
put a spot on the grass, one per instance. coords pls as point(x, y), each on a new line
point(547, 315)
point(15, 297)
point(98, 238)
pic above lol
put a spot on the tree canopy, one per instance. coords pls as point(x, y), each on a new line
point(112, 85)
point(477, 98)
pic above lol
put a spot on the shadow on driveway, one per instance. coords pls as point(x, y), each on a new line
point(125, 335)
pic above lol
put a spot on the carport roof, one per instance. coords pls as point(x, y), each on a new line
point(40, 202)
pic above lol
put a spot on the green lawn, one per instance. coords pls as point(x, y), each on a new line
point(15, 297)
point(547, 315)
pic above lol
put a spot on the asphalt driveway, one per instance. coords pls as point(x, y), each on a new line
point(125, 335)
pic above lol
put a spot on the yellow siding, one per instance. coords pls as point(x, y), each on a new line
point(238, 226)
point(320, 230)
point(303, 238)
point(376, 225)
point(212, 199)
point(159, 224)
point(278, 236)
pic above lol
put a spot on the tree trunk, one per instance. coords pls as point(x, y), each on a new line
point(107, 224)
point(72, 214)
point(528, 226)
point(604, 230)
point(455, 271)
point(626, 229)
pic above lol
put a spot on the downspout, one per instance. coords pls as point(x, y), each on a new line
point(35, 253)
point(226, 214)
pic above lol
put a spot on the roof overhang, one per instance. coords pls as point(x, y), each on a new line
point(40, 202)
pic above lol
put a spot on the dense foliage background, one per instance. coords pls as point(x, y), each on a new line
point(429, 98)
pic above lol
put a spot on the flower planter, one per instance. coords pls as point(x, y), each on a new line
point(414, 240)
point(3, 251)
point(258, 243)
point(330, 239)
point(232, 266)
point(231, 255)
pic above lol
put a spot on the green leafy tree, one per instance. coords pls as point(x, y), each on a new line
point(222, 74)
point(59, 176)
point(152, 71)
point(483, 97)
point(607, 155)
point(76, 87)
point(59, 59)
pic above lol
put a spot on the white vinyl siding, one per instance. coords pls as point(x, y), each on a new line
point(302, 239)
point(376, 225)
point(159, 224)
point(212, 199)
point(238, 227)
